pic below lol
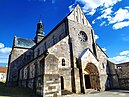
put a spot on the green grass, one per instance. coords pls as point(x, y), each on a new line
point(15, 91)
point(3, 81)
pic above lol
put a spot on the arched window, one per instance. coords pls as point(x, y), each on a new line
point(83, 21)
point(63, 62)
point(77, 18)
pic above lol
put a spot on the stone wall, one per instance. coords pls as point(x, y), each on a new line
point(36, 78)
point(112, 76)
point(52, 86)
point(53, 38)
point(62, 51)
point(16, 52)
point(79, 46)
point(31, 75)
point(123, 76)
point(103, 58)
point(60, 60)
point(19, 55)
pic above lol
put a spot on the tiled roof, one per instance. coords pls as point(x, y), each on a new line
point(3, 69)
point(25, 43)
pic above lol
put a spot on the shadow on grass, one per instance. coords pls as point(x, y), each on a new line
point(15, 91)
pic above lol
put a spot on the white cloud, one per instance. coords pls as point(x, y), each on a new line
point(102, 23)
point(121, 58)
point(119, 19)
point(124, 53)
point(120, 15)
point(71, 7)
point(5, 50)
point(106, 14)
point(93, 22)
point(120, 25)
point(104, 49)
point(96, 37)
point(1, 45)
point(127, 7)
point(90, 6)
point(4, 53)
point(4, 60)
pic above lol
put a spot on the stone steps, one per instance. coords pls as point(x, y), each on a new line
point(91, 91)
point(65, 92)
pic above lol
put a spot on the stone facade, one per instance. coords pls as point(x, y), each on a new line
point(67, 59)
point(123, 75)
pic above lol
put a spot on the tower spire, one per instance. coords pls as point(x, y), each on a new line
point(39, 31)
point(40, 28)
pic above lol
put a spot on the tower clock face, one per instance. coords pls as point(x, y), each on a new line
point(82, 36)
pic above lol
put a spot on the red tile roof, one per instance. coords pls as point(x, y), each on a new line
point(3, 69)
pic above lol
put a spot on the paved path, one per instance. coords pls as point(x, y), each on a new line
point(112, 93)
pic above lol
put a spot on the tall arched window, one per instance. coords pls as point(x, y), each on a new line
point(103, 65)
point(63, 62)
point(62, 83)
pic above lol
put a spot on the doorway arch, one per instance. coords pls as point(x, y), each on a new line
point(91, 77)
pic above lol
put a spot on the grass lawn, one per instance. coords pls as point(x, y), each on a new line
point(15, 91)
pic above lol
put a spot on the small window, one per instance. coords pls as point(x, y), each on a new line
point(83, 21)
point(77, 18)
point(63, 62)
point(103, 65)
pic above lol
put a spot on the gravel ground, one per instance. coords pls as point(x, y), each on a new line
point(112, 93)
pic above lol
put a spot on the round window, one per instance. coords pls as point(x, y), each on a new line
point(82, 36)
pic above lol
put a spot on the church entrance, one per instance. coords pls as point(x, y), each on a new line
point(91, 77)
point(87, 81)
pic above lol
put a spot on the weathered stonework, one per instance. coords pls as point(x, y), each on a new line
point(122, 71)
point(67, 59)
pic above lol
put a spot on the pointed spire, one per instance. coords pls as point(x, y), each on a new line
point(40, 28)
point(40, 21)
point(39, 31)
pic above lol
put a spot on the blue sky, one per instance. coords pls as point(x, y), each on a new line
point(109, 19)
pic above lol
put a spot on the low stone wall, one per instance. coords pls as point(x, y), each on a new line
point(123, 77)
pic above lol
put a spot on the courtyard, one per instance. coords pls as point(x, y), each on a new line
point(111, 93)
point(22, 92)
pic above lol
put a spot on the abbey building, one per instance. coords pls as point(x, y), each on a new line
point(67, 59)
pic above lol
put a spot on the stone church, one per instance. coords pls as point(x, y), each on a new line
point(67, 59)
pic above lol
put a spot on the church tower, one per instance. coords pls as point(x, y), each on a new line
point(39, 32)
